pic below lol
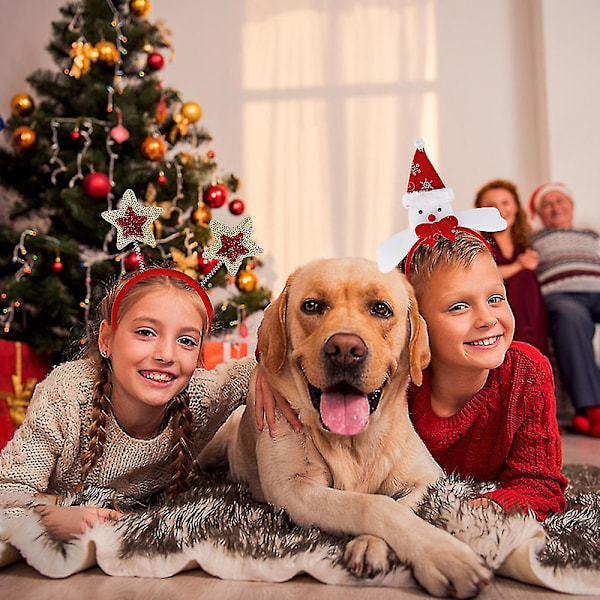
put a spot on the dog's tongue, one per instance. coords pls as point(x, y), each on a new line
point(345, 413)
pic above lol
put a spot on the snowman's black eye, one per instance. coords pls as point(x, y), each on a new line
point(439, 209)
point(420, 212)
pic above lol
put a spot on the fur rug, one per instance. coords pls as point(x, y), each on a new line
point(219, 527)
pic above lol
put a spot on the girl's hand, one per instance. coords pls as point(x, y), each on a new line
point(529, 259)
point(66, 522)
point(266, 399)
point(485, 503)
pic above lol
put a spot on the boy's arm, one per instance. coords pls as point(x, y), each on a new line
point(531, 478)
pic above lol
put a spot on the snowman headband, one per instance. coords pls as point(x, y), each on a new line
point(431, 217)
point(133, 221)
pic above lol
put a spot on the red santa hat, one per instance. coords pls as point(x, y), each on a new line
point(425, 186)
point(536, 198)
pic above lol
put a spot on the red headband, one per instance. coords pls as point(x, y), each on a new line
point(429, 233)
point(158, 273)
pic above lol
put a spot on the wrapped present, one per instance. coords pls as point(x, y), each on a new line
point(7, 427)
point(216, 352)
point(21, 368)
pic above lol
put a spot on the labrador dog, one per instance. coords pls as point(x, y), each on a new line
point(340, 344)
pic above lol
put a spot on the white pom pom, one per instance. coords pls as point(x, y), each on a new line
point(420, 144)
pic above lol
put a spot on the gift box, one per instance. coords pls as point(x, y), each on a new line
point(7, 427)
point(21, 367)
point(216, 352)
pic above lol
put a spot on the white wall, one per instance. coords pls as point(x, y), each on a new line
point(514, 93)
point(572, 59)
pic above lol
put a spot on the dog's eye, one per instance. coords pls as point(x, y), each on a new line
point(382, 309)
point(312, 306)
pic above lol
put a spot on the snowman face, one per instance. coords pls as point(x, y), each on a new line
point(428, 213)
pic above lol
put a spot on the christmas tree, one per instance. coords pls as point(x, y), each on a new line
point(104, 123)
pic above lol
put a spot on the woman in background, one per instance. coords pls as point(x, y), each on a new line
point(517, 262)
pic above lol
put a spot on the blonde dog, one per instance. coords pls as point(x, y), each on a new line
point(340, 344)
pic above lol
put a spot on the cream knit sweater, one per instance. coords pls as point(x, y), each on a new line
point(45, 452)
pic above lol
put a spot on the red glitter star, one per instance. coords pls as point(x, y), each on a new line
point(131, 224)
point(233, 246)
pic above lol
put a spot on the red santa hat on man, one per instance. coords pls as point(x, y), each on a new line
point(425, 186)
point(535, 201)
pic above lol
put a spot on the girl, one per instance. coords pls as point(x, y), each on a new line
point(132, 414)
point(517, 262)
point(486, 407)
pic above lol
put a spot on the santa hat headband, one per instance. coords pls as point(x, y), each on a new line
point(425, 186)
point(538, 194)
point(430, 215)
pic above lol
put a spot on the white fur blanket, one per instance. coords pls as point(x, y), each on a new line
point(221, 529)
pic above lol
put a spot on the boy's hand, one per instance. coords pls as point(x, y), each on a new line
point(485, 503)
point(266, 399)
point(66, 522)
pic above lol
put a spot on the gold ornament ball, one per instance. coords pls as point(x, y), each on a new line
point(107, 53)
point(246, 280)
point(139, 8)
point(154, 148)
point(22, 105)
point(201, 215)
point(24, 138)
point(192, 111)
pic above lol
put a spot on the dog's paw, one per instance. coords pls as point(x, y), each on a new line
point(368, 556)
point(452, 569)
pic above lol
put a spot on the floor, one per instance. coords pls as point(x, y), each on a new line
point(23, 583)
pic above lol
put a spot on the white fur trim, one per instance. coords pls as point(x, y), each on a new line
point(427, 198)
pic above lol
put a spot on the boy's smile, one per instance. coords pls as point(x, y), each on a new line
point(469, 320)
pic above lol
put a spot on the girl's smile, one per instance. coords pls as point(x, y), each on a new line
point(154, 351)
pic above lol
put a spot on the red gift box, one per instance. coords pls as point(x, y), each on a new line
point(21, 367)
point(7, 427)
point(214, 353)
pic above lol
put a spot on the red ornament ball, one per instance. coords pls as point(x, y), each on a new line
point(162, 179)
point(216, 195)
point(206, 265)
point(75, 135)
point(236, 206)
point(210, 154)
point(132, 262)
point(156, 61)
point(57, 266)
point(97, 185)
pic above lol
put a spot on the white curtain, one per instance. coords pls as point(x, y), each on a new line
point(334, 93)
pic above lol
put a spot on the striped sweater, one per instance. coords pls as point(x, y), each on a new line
point(569, 260)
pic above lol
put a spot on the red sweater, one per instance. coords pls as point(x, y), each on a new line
point(507, 433)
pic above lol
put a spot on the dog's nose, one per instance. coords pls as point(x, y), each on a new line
point(345, 349)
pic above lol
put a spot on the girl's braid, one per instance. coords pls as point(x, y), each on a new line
point(180, 456)
point(97, 430)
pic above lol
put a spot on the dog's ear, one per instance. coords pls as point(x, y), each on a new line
point(418, 343)
point(272, 335)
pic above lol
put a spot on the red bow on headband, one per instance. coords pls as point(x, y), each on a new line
point(429, 233)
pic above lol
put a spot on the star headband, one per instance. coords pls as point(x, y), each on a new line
point(159, 272)
point(133, 220)
point(430, 215)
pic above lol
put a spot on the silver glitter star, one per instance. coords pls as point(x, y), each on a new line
point(133, 221)
point(232, 244)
